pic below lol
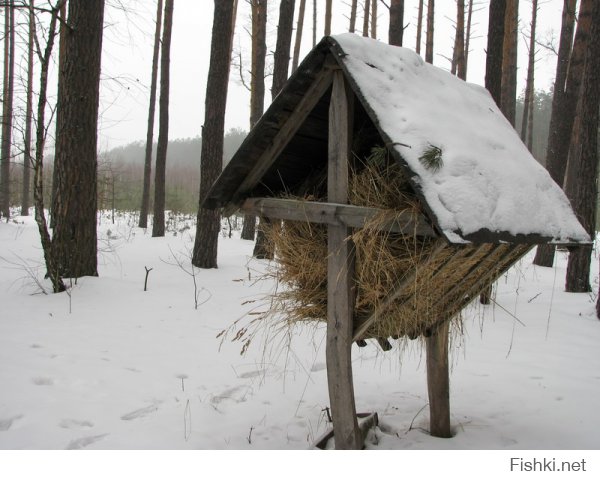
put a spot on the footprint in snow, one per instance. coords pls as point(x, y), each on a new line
point(141, 412)
point(42, 381)
point(83, 442)
point(6, 423)
point(72, 423)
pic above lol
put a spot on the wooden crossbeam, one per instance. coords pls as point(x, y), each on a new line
point(336, 214)
point(283, 136)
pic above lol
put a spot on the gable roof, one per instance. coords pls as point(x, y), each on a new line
point(487, 187)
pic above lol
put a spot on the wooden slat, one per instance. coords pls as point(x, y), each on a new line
point(318, 88)
point(363, 324)
point(365, 423)
point(340, 279)
point(335, 214)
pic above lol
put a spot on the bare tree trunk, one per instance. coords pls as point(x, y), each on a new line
point(396, 31)
point(27, 158)
point(458, 57)
point(527, 122)
point(493, 74)
point(430, 24)
point(374, 19)
point(61, 60)
point(569, 69)
point(151, 113)
point(494, 61)
point(468, 35)
point(52, 265)
point(582, 190)
point(419, 27)
point(7, 108)
point(211, 160)
point(299, 28)
point(328, 17)
point(352, 27)
point(366, 18)
point(509, 58)
point(75, 237)
point(158, 223)
point(257, 85)
point(282, 48)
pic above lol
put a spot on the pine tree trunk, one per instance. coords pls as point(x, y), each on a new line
point(75, 237)
point(527, 121)
point(7, 108)
point(158, 222)
point(493, 63)
point(509, 58)
point(282, 49)
point(429, 38)
point(52, 265)
point(374, 19)
point(365, 31)
point(353, 6)
point(61, 60)
point(396, 31)
point(27, 157)
point(582, 191)
point(419, 27)
point(468, 35)
point(257, 84)
point(314, 29)
point(328, 17)
point(299, 28)
point(211, 159)
point(458, 58)
point(566, 89)
point(144, 209)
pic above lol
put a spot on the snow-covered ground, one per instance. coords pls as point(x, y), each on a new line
point(111, 366)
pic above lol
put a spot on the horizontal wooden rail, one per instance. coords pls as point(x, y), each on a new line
point(335, 214)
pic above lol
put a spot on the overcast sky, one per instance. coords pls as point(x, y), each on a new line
point(127, 58)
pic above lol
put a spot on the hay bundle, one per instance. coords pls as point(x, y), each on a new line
point(383, 260)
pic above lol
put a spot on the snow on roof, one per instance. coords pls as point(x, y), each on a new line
point(487, 179)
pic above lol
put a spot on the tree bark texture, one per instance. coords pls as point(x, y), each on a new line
point(328, 8)
point(257, 84)
point(314, 29)
point(468, 35)
point(429, 37)
point(299, 29)
point(27, 157)
point(211, 159)
point(367, 10)
point(283, 45)
point(508, 101)
point(353, 7)
point(566, 90)
point(458, 57)
point(419, 26)
point(374, 19)
point(7, 109)
point(493, 61)
point(144, 209)
point(582, 191)
point(158, 223)
point(527, 122)
point(52, 265)
point(396, 31)
point(75, 237)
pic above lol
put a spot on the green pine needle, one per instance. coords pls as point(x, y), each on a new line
point(432, 158)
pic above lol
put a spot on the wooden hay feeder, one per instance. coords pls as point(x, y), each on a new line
point(478, 202)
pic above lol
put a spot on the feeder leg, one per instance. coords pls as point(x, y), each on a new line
point(438, 382)
point(340, 276)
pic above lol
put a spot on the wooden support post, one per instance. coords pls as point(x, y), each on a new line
point(438, 382)
point(340, 277)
